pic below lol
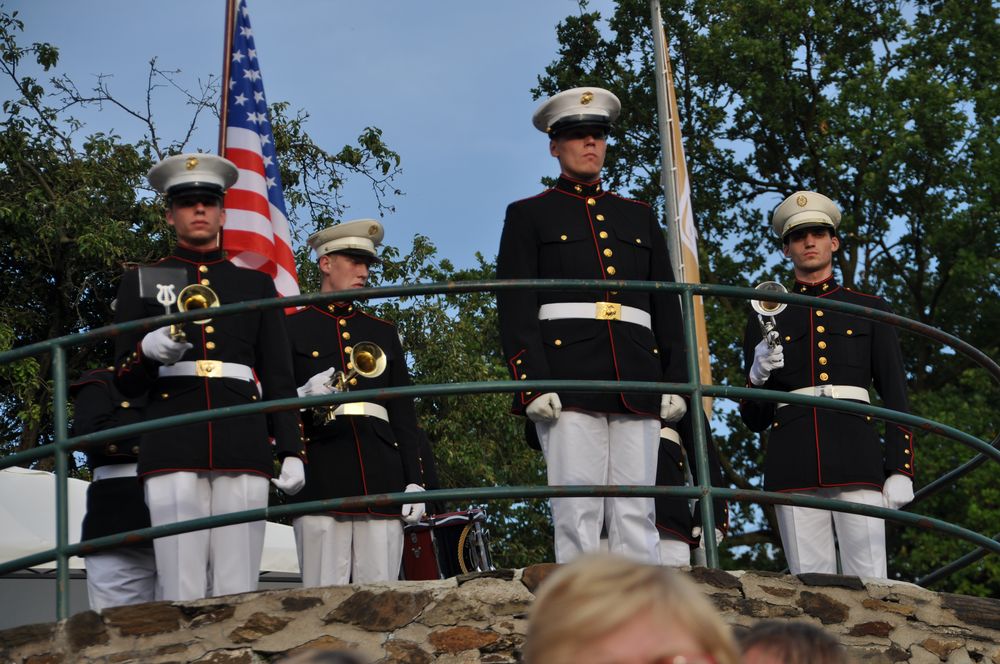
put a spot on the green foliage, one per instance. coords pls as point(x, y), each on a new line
point(891, 109)
point(454, 338)
point(70, 219)
point(74, 211)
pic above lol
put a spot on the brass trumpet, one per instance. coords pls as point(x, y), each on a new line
point(767, 310)
point(193, 297)
point(366, 359)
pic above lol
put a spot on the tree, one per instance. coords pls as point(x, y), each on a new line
point(74, 209)
point(888, 108)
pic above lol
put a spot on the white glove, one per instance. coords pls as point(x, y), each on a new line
point(318, 384)
point(412, 512)
point(897, 491)
point(293, 476)
point(672, 407)
point(545, 408)
point(696, 533)
point(157, 345)
point(765, 360)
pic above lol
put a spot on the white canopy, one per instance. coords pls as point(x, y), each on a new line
point(28, 521)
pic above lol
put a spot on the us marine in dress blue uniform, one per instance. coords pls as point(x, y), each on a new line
point(219, 466)
point(115, 502)
point(579, 230)
point(367, 448)
point(824, 452)
point(679, 526)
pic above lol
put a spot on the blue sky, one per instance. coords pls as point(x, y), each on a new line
point(448, 82)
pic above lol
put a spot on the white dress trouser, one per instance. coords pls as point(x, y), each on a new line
point(807, 536)
point(230, 554)
point(335, 550)
point(674, 552)
point(583, 447)
point(121, 576)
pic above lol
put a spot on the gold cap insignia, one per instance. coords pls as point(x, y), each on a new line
point(373, 229)
point(801, 201)
point(191, 163)
point(586, 98)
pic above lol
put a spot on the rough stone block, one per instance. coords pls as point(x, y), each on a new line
point(144, 619)
point(22, 636)
point(778, 592)
point(238, 656)
point(85, 629)
point(535, 574)
point(870, 655)
point(405, 652)
point(379, 612)
point(47, 658)
point(753, 608)
point(321, 644)
point(208, 614)
point(258, 625)
point(981, 611)
point(878, 628)
point(716, 578)
point(504, 574)
point(295, 604)
point(828, 610)
point(920, 655)
point(890, 607)
point(832, 580)
point(941, 647)
point(461, 638)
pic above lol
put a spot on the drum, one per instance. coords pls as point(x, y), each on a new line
point(445, 545)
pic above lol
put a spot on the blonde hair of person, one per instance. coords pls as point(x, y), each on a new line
point(595, 596)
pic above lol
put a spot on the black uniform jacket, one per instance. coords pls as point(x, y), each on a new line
point(354, 455)
point(254, 338)
point(581, 231)
point(117, 504)
point(810, 448)
point(673, 515)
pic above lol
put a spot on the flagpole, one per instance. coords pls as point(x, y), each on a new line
point(665, 121)
point(226, 59)
point(683, 259)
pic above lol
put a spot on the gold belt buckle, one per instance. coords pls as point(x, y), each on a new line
point(208, 368)
point(608, 311)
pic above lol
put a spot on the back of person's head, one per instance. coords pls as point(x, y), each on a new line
point(608, 610)
point(323, 657)
point(790, 642)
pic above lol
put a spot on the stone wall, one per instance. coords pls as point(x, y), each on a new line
point(482, 618)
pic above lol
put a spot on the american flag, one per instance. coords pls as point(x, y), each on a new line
point(256, 233)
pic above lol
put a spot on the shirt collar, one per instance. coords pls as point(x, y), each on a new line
point(192, 256)
point(578, 188)
point(815, 288)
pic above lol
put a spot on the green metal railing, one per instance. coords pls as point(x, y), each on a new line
point(64, 444)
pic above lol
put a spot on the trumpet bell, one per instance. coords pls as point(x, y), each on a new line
point(768, 307)
point(196, 296)
point(368, 359)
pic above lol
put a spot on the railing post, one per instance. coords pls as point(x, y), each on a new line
point(59, 391)
point(704, 479)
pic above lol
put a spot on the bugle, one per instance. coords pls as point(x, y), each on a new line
point(767, 310)
point(366, 359)
point(191, 298)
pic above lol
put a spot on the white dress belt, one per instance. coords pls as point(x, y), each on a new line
point(115, 470)
point(852, 392)
point(207, 369)
point(595, 310)
point(365, 408)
